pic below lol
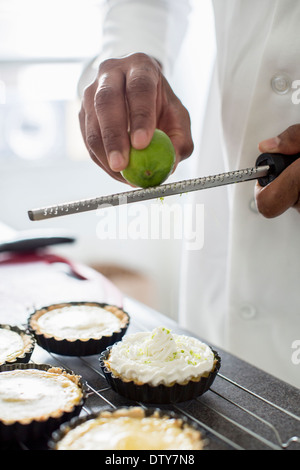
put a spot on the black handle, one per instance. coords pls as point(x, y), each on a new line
point(277, 163)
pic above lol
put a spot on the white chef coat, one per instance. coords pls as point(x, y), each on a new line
point(241, 291)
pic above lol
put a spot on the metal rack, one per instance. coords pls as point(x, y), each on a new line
point(230, 415)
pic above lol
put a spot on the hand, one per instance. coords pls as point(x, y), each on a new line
point(284, 192)
point(131, 94)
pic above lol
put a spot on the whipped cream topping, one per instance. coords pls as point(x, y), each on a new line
point(160, 357)
point(30, 394)
point(78, 322)
point(11, 345)
point(128, 433)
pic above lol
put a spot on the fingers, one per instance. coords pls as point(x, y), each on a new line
point(287, 143)
point(123, 99)
point(125, 104)
point(280, 195)
point(175, 122)
point(181, 137)
point(111, 112)
point(129, 99)
point(284, 192)
point(92, 136)
point(142, 88)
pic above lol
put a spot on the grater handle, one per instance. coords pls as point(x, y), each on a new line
point(277, 163)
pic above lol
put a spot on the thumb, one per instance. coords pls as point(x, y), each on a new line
point(287, 143)
point(280, 195)
point(284, 192)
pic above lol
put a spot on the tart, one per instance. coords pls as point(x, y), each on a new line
point(160, 367)
point(78, 328)
point(128, 429)
point(16, 345)
point(37, 398)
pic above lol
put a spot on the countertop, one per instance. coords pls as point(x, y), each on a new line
point(244, 409)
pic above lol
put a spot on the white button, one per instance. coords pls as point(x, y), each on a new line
point(248, 312)
point(281, 84)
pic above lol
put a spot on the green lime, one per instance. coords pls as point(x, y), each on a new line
point(152, 165)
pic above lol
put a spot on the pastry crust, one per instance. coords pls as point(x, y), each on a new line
point(139, 383)
point(34, 319)
point(63, 388)
point(130, 429)
point(158, 367)
point(78, 328)
point(160, 357)
point(25, 346)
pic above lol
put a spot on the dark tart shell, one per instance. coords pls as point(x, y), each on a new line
point(160, 394)
point(39, 428)
point(60, 433)
point(77, 347)
point(29, 344)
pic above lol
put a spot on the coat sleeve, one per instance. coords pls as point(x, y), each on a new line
point(155, 27)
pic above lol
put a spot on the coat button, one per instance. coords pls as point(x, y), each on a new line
point(281, 84)
point(248, 312)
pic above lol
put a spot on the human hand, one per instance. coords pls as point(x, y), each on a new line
point(284, 192)
point(128, 100)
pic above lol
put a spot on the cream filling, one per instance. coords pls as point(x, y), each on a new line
point(79, 322)
point(11, 345)
point(30, 394)
point(160, 357)
point(126, 433)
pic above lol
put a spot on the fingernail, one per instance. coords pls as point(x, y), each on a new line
point(269, 144)
point(116, 161)
point(140, 139)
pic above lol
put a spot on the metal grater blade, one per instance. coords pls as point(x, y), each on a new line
point(138, 195)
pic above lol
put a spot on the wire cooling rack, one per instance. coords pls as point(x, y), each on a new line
point(231, 415)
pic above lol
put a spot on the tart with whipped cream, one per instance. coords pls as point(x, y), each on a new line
point(128, 429)
point(160, 366)
point(16, 345)
point(37, 398)
point(78, 328)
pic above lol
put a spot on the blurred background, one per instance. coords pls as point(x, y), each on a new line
point(44, 47)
